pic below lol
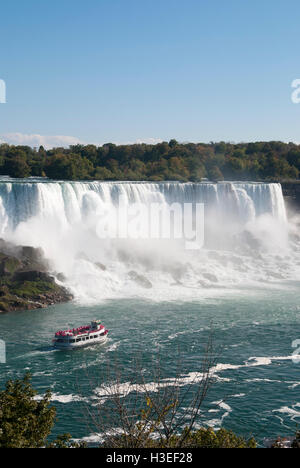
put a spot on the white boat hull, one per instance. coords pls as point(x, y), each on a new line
point(68, 345)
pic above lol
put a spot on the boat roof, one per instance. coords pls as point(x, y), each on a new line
point(85, 329)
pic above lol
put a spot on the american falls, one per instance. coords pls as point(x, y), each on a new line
point(248, 239)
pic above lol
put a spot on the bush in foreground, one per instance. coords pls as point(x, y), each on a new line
point(204, 438)
point(25, 421)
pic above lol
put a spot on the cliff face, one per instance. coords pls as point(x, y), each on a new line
point(24, 281)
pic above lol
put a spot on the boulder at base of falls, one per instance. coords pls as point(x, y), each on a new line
point(140, 280)
point(24, 282)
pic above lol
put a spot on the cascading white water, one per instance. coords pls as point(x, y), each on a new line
point(69, 202)
point(243, 223)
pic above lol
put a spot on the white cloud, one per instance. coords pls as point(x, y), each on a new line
point(150, 141)
point(147, 141)
point(48, 141)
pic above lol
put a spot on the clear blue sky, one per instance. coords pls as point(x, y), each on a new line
point(129, 70)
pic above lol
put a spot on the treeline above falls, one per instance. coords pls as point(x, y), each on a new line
point(261, 161)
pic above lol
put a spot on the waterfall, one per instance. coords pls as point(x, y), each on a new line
point(241, 220)
point(67, 202)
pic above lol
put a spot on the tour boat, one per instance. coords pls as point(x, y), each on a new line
point(92, 334)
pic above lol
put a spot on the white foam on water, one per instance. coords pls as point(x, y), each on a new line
point(189, 331)
point(64, 399)
point(222, 405)
point(36, 353)
point(294, 385)
point(262, 380)
point(124, 389)
point(252, 362)
point(113, 347)
point(216, 424)
point(91, 439)
point(99, 438)
point(259, 361)
point(266, 361)
point(292, 412)
point(225, 367)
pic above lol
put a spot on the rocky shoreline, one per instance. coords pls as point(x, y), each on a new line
point(25, 282)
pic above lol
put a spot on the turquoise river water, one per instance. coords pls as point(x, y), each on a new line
point(258, 392)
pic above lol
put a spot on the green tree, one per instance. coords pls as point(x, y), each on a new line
point(102, 173)
point(163, 161)
point(27, 421)
point(208, 438)
point(173, 143)
point(68, 167)
point(234, 168)
point(17, 168)
point(215, 174)
point(24, 421)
